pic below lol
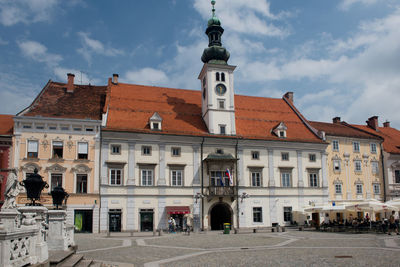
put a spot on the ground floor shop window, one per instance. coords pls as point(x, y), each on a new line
point(146, 220)
point(287, 214)
point(114, 220)
point(83, 221)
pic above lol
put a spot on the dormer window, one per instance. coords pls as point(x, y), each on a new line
point(280, 130)
point(155, 122)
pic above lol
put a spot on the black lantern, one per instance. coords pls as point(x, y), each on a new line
point(58, 194)
point(34, 185)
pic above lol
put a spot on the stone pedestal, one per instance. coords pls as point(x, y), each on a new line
point(38, 215)
point(9, 220)
point(57, 230)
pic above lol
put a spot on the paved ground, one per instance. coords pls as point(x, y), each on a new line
point(292, 248)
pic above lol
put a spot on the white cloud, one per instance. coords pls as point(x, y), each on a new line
point(246, 17)
point(38, 52)
point(26, 11)
point(80, 76)
point(146, 76)
point(346, 4)
point(92, 46)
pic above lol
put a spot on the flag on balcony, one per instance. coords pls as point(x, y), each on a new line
point(228, 173)
point(221, 179)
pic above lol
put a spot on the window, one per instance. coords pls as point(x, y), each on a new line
point(287, 214)
point(82, 150)
point(176, 177)
point(357, 165)
point(312, 157)
point(57, 149)
point(356, 146)
point(40, 127)
point(375, 167)
point(397, 176)
point(373, 148)
point(89, 129)
point(256, 179)
point(27, 126)
point(81, 183)
point(223, 77)
point(116, 149)
point(286, 179)
point(285, 156)
point(338, 188)
point(313, 179)
point(359, 188)
point(146, 150)
point(147, 177)
point(176, 151)
point(222, 129)
point(377, 189)
point(77, 129)
point(32, 149)
point(281, 133)
point(217, 76)
point(255, 155)
point(335, 145)
point(53, 127)
point(221, 104)
point(257, 214)
point(64, 127)
point(56, 180)
point(155, 126)
point(219, 151)
point(115, 176)
point(336, 165)
point(219, 178)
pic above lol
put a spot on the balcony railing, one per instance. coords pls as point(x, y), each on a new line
point(221, 190)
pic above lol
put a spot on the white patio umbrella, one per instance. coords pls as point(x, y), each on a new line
point(338, 208)
point(394, 202)
point(371, 205)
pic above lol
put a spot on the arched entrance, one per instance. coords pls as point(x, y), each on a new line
point(220, 213)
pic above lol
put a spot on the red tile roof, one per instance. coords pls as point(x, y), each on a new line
point(342, 129)
point(6, 124)
point(86, 102)
point(130, 107)
point(391, 136)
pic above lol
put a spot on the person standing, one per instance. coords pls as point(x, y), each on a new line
point(173, 225)
point(392, 224)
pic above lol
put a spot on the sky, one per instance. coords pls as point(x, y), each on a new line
point(339, 57)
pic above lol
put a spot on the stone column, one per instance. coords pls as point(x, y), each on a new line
point(57, 230)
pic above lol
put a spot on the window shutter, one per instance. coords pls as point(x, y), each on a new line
point(82, 148)
point(32, 146)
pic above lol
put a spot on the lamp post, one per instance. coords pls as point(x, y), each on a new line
point(34, 185)
point(58, 194)
point(198, 196)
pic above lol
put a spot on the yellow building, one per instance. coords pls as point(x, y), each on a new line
point(59, 134)
point(354, 164)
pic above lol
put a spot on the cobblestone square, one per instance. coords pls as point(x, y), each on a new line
point(292, 248)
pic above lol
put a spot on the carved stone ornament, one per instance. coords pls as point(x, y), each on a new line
point(11, 191)
point(337, 181)
point(45, 143)
point(30, 167)
point(358, 181)
point(81, 168)
point(70, 144)
point(56, 168)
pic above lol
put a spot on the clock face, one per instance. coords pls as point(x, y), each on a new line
point(220, 89)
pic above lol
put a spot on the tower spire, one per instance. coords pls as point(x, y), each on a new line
point(215, 53)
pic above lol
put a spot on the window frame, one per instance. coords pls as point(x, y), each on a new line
point(312, 157)
point(287, 213)
point(146, 150)
point(311, 181)
point(283, 156)
point(181, 171)
point(121, 176)
point(356, 164)
point(339, 165)
point(53, 175)
point(256, 178)
point(178, 149)
point(35, 155)
point(255, 155)
point(373, 148)
point(283, 178)
point(257, 215)
point(335, 145)
point(147, 170)
point(377, 186)
point(87, 151)
point(222, 128)
point(55, 148)
point(336, 189)
point(86, 185)
point(356, 146)
point(359, 189)
point(221, 101)
point(375, 167)
point(397, 177)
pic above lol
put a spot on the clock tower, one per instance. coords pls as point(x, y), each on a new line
point(216, 76)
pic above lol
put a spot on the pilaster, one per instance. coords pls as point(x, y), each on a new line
point(131, 163)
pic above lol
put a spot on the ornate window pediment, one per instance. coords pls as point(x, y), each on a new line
point(30, 167)
point(358, 181)
point(56, 168)
point(337, 181)
point(395, 165)
point(280, 130)
point(336, 157)
point(356, 158)
point(81, 168)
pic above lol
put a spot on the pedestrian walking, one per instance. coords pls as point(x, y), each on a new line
point(392, 224)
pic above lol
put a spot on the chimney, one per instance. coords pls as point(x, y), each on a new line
point(386, 124)
point(336, 120)
point(70, 84)
point(289, 95)
point(373, 122)
point(115, 78)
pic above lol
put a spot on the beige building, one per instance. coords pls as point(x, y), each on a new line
point(59, 134)
point(354, 163)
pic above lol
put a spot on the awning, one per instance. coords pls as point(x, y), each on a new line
point(177, 209)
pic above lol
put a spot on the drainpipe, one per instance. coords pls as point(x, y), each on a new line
point(237, 183)
point(383, 174)
point(202, 186)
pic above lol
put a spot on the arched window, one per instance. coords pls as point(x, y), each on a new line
point(217, 76)
point(223, 77)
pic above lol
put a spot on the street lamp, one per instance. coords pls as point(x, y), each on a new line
point(243, 196)
point(58, 194)
point(197, 196)
point(34, 185)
